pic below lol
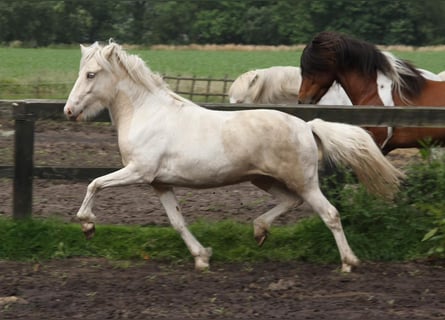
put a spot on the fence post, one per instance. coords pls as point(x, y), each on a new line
point(224, 87)
point(192, 90)
point(23, 158)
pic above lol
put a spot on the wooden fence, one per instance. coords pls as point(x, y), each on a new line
point(25, 113)
point(200, 89)
point(195, 88)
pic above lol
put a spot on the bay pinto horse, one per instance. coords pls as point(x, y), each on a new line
point(353, 63)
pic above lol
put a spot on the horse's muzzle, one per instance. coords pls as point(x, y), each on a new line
point(70, 115)
point(305, 101)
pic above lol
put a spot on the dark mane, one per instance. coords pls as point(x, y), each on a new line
point(338, 52)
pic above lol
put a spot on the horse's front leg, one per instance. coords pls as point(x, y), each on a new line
point(171, 206)
point(124, 176)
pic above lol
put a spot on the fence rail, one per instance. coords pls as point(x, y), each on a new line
point(200, 89)
point(26, 112)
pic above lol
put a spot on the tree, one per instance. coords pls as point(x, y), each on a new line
point(270, 22)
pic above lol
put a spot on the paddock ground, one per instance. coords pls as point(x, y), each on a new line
point(99, 289)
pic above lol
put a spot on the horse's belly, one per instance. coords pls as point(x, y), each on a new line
point(205, 173)
point(204, 179)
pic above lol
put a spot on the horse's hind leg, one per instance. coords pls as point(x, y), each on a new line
point(287, 199)
point(171, 206)
point(331, 218)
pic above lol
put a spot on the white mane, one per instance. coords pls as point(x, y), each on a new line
point(399, 69)
point(112, 56)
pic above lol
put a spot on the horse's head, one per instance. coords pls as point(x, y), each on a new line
point(318, 69)
point(95, 84)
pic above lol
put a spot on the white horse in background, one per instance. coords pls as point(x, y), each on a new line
point(166, 140)
point(279, 84)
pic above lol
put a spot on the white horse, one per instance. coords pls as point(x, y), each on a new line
point(166, 140)
point(279, 84)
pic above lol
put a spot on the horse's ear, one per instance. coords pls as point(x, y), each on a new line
point(109, 50)
point(83, 49)
point(253, 80)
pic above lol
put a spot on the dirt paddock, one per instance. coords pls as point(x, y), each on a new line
point(100, 289)
point(82, 288)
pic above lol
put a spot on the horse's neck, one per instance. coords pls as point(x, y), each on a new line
point(361, 90)
point(132, 101)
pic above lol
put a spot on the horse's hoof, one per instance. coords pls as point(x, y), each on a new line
point(260, 231)
point(261, 238)
point(202, 261)
point(347, 266)
point(201, 264)
point(89, 230)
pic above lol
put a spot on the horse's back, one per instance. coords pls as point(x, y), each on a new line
point(270, 131)
point(433, 94)
point(277, 84)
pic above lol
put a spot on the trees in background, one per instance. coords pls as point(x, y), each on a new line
point(44, 22)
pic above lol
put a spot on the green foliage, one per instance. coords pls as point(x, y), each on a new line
point(428, 199)
point(39, 23)
point(436, 235)
point(413, 225)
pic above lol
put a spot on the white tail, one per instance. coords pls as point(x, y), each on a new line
point(353, 147)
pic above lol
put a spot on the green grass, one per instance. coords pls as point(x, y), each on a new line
point(42, 66)
point(26, 65)
point(52, 64)
point(308, 240)
point(50, 72)
point(433, 61)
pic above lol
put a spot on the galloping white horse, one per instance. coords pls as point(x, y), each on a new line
point(166, 141)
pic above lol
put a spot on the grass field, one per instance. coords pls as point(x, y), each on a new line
point(26, 65)
point(49, 72)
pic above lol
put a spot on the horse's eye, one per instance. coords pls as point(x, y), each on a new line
point(91, 75)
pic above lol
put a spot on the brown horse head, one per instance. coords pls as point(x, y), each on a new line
point(332, 56)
